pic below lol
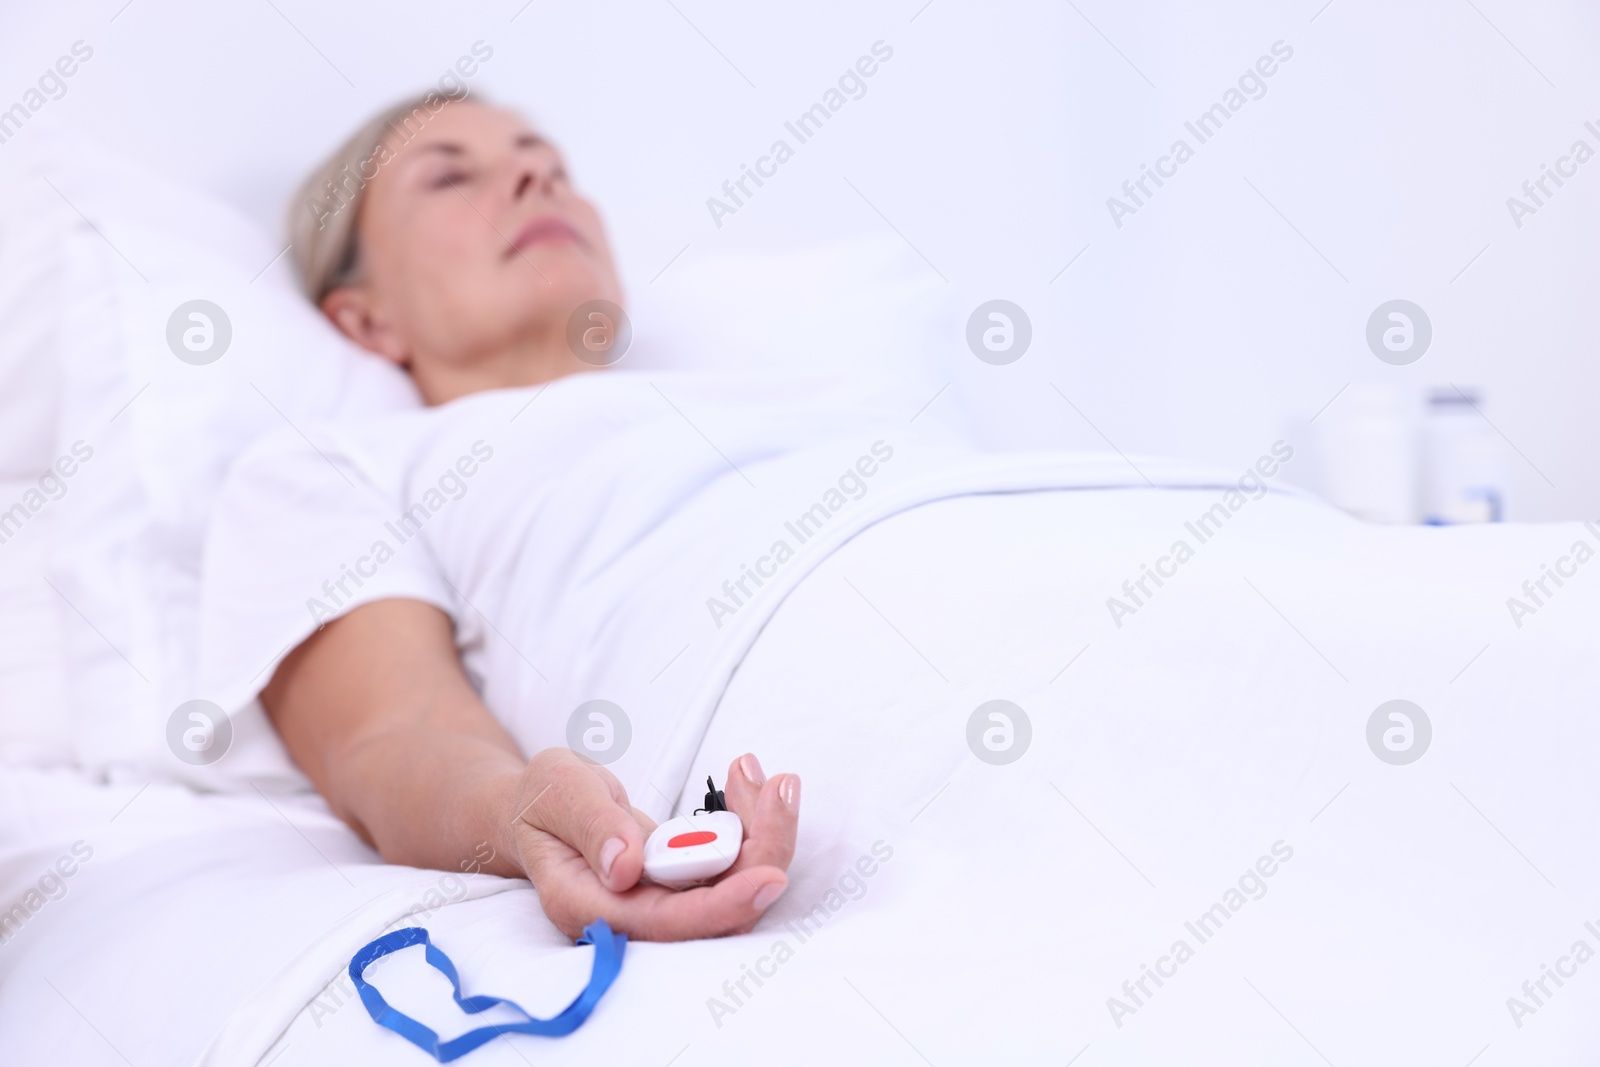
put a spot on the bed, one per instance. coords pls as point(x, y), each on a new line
point(1313, 793)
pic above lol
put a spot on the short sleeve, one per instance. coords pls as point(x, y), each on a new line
point(307, 529)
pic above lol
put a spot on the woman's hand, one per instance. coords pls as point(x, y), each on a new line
point(377, 711)
point(582, 845)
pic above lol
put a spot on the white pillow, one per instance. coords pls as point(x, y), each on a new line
point(161, 432)
point(37, 274)
point(34, 729)
point(865, 307)
point(32, 265)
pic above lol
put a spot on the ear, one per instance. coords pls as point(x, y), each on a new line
point(351, 309)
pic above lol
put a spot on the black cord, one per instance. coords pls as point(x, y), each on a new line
point(714, 798)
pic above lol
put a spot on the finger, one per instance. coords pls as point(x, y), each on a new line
point(653, 913)
point(745, 779)
point(581, 807)
point(646, 823)
point(613, 783)
point(771, 824)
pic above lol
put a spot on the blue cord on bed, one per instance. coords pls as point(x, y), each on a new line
point(608, 948)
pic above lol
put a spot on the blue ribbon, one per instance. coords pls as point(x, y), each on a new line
point(608, 948)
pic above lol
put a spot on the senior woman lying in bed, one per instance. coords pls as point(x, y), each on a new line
point(453, 591)
point(461, 261)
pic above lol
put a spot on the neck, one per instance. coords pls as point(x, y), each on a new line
point(530, 360)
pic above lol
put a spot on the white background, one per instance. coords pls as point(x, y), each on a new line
point(1221, 317)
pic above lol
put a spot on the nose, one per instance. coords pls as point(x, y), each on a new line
point(530, 179)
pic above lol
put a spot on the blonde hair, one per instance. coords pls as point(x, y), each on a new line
point(324, 215)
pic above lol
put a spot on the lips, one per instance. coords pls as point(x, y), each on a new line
point(549, 228)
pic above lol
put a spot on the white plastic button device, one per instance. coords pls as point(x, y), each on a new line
point(691, 849)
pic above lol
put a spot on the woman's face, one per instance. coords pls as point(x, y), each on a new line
point(475, 250)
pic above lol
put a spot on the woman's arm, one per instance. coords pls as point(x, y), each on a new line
point(376, 710)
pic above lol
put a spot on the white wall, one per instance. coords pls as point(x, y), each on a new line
point(1205, 326)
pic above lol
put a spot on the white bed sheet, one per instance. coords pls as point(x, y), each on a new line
point(1168, 755)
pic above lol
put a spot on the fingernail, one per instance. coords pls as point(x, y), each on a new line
point(789, 791)
point(609, 853)
point(752, 769)
point(767, 894)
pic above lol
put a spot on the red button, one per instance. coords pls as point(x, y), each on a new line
point(696, 837)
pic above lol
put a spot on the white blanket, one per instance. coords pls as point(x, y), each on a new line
point(1199, 774)
point(612, 537)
